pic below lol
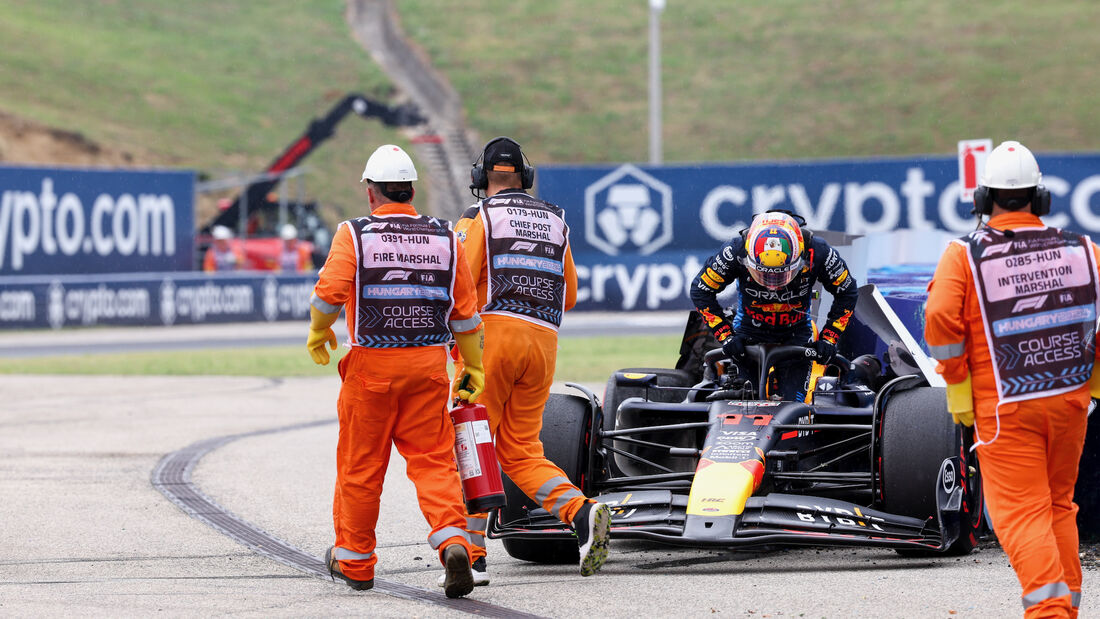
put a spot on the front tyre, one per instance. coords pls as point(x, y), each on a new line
point(917, 436)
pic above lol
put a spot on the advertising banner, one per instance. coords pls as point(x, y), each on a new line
point(62, 221)
point(639, 234)
point(154, 299)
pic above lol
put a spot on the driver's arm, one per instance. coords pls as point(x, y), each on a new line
point(834, 275)
point(720, 271)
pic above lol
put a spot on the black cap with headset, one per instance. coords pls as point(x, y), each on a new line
point(501, 154)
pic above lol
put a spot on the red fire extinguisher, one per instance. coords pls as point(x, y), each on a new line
point(477, 458)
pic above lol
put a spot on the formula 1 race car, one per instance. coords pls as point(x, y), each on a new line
point(871, 459)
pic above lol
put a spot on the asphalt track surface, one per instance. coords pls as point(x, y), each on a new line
point(184, 496)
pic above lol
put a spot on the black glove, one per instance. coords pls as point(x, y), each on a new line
point(734, 347)
point(825, 349)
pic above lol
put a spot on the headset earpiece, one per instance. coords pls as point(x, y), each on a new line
point(1040, 201)
point(983, 200)
point(527, 174)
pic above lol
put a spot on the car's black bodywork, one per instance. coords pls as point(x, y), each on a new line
point(871, 459)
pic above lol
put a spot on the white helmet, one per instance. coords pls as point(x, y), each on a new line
point(221, 233)
point(389, 164)
point(1011, 166)
point(288, 232)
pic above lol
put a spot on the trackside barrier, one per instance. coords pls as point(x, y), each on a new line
point(69, 220)
point(639, 234)
point(148, 299)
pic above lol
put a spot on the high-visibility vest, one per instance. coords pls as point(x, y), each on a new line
point(1037, 290)
point(404, 279)
point(525, 240)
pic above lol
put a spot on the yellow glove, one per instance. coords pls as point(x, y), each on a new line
point(1094, 382)
point(320, 333)
point(471, 382)
point(960, 402)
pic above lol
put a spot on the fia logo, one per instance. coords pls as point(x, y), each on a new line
point(628, 210)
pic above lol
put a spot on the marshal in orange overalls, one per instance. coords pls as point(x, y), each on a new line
point(520, 358)
point(1030, 466)
point(392, 396)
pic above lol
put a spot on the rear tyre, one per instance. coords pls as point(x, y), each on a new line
point(917, 436)
point(565, 426)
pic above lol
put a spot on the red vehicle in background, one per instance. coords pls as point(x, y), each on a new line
point(257, 217)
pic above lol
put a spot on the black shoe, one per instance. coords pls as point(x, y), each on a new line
point(334, 573)
point(459, 578)
point(592, 525)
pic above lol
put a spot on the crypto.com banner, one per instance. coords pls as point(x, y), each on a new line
point(639, 234)
point(56, 220)
point(154, 299)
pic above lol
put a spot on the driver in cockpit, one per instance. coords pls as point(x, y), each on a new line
point(775, 263)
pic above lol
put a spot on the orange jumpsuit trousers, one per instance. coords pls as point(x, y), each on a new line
point(394, 397)
point(1028, 474)
point(519, 363)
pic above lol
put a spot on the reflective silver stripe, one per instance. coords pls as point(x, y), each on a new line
point(1075, 598)
point(343, 554)
point(569, 494)
point(947, 351)
point(476, 524)
point(548, 487)
point(464, 326)
point(321, 305)
point(1046, 592)
point(477, 540)
point(442, 535)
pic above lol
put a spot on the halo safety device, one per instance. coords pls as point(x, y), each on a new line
point(506, 148)
point(774, 248)
point(1011, 166)
point(389, 164)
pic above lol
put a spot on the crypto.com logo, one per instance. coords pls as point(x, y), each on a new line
point(628, 210)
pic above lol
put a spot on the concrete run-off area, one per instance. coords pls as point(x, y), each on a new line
point(86, 532)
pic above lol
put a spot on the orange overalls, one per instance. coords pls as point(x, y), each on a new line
point(519, 362)
point(1030, 468)
point(294, 259)
point(392, 397)
point(229, 259)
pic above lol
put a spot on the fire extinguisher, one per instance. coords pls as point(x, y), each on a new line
point(477, 458)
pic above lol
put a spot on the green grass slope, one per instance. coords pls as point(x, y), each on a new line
point(220, 86)
point(771, 79)
point(214, 85)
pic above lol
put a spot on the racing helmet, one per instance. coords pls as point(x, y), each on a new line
point(773, 250)
point(1011, 166)
point(389, 164)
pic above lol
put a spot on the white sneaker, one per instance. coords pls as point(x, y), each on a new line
point(481, 575)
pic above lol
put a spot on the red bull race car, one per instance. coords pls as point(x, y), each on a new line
point(697, 457)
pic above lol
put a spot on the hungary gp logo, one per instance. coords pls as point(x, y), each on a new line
point(628, 211)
